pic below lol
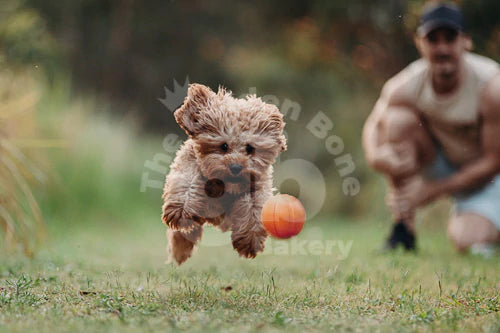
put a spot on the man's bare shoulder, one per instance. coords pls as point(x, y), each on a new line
point(491, 97)
point(401, 89)
point(483, 67)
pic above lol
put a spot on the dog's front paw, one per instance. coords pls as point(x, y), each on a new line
point(172, 215)
point(249, 244)
point(175, 217)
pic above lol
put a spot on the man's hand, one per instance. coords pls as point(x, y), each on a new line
point(413, 193)
point(398, 160)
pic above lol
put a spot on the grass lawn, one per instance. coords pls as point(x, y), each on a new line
point(113, 277)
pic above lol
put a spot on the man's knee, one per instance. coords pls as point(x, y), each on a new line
point(457, 234)
point(402, 123)
point(405, 126)
point(466, 229)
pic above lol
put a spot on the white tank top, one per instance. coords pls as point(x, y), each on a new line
point(454, 121)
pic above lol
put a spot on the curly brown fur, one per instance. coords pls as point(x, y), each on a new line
point(222, 174)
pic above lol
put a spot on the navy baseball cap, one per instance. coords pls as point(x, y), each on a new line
point(440, 15)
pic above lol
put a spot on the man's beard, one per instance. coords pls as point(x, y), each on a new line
point(446, 70)
point(446, 67)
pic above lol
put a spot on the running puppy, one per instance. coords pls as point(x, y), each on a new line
point(222, 174)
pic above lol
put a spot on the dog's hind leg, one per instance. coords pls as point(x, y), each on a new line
point(181, 243)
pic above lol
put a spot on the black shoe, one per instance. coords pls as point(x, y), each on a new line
point(401, 235)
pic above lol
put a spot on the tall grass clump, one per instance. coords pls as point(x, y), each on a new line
point(21, 223)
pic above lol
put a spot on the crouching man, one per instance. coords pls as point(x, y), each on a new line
point(435, 131)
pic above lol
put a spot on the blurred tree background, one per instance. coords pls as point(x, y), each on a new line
point(107, 61)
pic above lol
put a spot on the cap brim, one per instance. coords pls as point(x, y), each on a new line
point(424, 29)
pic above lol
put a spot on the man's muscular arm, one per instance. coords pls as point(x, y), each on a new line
point(378, 153)
point(372, 137)
point(486, 167)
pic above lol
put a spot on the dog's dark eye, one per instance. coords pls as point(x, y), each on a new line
point(250, 149)
point(224, 147)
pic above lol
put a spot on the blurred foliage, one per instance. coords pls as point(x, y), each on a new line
point(25, 40)
point(313, 51)
point(329, 56)
point(96, 175)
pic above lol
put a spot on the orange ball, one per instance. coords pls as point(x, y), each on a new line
point(283, 216)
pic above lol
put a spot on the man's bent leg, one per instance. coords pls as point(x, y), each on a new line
point(466, 229)
point(403, 125)
point(405, 129)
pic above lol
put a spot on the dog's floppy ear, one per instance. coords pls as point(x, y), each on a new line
point(188, 115)
point(274, 124)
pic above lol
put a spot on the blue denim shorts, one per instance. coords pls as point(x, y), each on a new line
point(484, 201)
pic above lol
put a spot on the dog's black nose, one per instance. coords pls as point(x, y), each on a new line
point(235, 168)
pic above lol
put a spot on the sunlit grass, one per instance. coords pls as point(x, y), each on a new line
point(112, 277)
